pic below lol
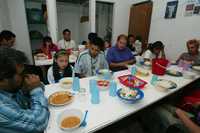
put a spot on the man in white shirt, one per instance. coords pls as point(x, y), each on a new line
point(67, 42)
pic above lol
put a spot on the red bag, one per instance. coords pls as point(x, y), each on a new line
point(159, 66)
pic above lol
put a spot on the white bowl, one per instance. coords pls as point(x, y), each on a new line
point(189, 75)
point(65, 85)
point(68, 113)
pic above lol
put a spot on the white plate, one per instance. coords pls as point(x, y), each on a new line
point(165, 85)
point(197, 68)
point(57, 93)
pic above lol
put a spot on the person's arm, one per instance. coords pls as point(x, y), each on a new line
point(78, 68)
point(122, 64)
point(33, 119)
point(194, 128)
point(50, 76)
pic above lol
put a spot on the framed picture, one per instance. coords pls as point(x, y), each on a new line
point(197, 10)
point(189, 9)
point(171, 9)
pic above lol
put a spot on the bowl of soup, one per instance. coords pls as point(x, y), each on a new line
point(70, 119)
point(66, 83)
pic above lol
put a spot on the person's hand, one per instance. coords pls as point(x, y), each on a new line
point(180, 113)
point(31, 82)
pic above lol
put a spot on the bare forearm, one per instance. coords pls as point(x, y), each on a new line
point(122, 64)
point(189, 123)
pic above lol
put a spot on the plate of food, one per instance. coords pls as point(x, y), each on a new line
point(70, 119)
point(174, 73)
point(103, 84)
point(196, 68)
point(130, 96)
point(132, 81)
point(66, 83)
point(165, 85)
point(142, 72)
point(60, 98)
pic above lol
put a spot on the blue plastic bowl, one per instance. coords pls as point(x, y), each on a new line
point(140, 95)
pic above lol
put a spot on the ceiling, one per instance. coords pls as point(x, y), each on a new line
point(73, 1)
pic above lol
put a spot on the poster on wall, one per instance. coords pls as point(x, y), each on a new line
point(189, 9)
point(171, 9)
point(197, 10)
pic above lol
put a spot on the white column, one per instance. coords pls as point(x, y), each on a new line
point(52, 19)
point(92, 15)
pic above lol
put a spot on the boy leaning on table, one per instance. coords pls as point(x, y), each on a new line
point(23, 106)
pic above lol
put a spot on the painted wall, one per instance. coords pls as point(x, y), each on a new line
point(120, 17)
point(4, 13)
point(17, 14)
point(69, 17)
point(173, 32)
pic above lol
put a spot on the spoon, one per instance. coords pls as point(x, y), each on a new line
point(84, 123)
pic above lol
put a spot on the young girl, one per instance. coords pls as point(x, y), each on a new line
point(155, 50)
point(61, 67)
point(48, 47)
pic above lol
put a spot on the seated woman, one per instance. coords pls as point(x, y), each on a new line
point(48, 47)
point(91, 60)
point(193, 55)
point(120, 56)
point(60, 68)
point(155, 50)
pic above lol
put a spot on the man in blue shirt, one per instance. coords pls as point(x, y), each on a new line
point(119, 56)
point(23, 106)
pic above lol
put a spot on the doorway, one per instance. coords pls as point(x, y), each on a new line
point(140, 21)
point(104, 20)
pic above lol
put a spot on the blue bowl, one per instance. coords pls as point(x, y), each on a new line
point(139, 96)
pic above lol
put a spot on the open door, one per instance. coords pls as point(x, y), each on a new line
point(140, 20)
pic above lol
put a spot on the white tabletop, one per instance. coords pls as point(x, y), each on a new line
point(110, 109)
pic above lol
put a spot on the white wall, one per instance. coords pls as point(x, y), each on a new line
point(84, 30)
point(19, 26)
point(4, 13)
point(69, 17)
point(120, 17)
point(173, 32)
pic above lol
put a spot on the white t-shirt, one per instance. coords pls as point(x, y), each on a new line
point(50, 76)
point(149, 55)
point(138, 46)
point(63, 44)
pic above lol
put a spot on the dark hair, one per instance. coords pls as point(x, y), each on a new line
point(84, 43)
point(66, 30)
point(99, 43)
point(47, 39)
point(92, 36)
point(138, 38)
point(68, 69)
point(131, 35)
point(9, 58)
point(156, 45)
point(7, 35)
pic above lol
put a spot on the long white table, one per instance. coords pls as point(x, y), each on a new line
point(110, 109)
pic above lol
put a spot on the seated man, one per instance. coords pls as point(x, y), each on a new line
point(193, 54)
point(24, 108)
point(120, 56)
point(7, 39)
point(91, 60)
point(67, 42)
